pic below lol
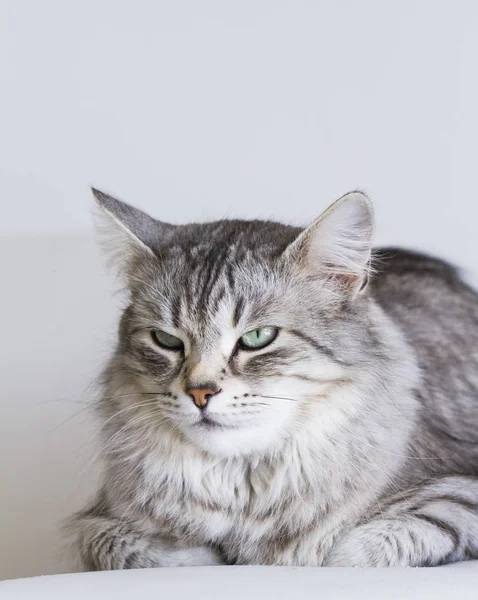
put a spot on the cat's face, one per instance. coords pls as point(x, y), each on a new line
point(230, 332)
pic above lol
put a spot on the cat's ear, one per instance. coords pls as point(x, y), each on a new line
point(338, 244)
point(128, 233)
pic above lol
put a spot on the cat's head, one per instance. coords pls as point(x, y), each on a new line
point(234, 329)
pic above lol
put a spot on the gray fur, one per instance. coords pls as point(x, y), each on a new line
point(351, 440)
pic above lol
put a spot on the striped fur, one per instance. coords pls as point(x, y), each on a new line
point(351, 440)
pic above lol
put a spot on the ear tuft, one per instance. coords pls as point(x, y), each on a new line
point(127, 233)
point(339, 243)
point(142, 229)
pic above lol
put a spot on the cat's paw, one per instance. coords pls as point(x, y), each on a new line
point(194, 557)
point(164, 554)
point(376, 544)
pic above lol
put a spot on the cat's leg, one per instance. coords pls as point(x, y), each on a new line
point(433, 524)
point(107, 543)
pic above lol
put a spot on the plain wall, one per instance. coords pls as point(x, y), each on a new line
point(193, 111)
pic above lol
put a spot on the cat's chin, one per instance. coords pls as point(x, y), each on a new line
point(230, 440)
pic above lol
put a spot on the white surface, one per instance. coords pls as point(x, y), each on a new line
point(254, 583)
point(196, 110)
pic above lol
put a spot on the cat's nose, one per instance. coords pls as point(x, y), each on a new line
point(201, 395)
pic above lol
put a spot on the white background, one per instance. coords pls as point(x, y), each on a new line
point(198, 110)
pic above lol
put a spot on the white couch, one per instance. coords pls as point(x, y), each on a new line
point(253, 583)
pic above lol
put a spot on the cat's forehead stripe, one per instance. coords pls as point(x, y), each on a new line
point(238, 310)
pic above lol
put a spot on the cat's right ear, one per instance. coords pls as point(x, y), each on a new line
point(127, 233)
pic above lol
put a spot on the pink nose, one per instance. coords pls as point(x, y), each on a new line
point(201, 396)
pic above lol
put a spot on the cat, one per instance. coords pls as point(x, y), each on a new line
point(284, 396)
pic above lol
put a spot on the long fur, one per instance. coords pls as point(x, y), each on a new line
point(350, 440)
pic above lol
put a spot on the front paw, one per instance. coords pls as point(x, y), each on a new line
point(375, 544)
point(163, 554)
point(194, 557)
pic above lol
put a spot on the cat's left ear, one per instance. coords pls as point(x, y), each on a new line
point(338, 244)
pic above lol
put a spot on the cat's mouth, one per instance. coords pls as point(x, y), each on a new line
point(206, 422)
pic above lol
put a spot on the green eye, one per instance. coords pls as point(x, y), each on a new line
point(166, 340)
point(258, 338)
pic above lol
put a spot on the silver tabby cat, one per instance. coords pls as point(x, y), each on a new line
point(283, 396)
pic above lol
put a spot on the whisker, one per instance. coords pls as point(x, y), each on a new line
point(278, 398)
point(131, 424)
point(133, 406)
point(89, 406)
point(73, 416)
point(158, 393)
